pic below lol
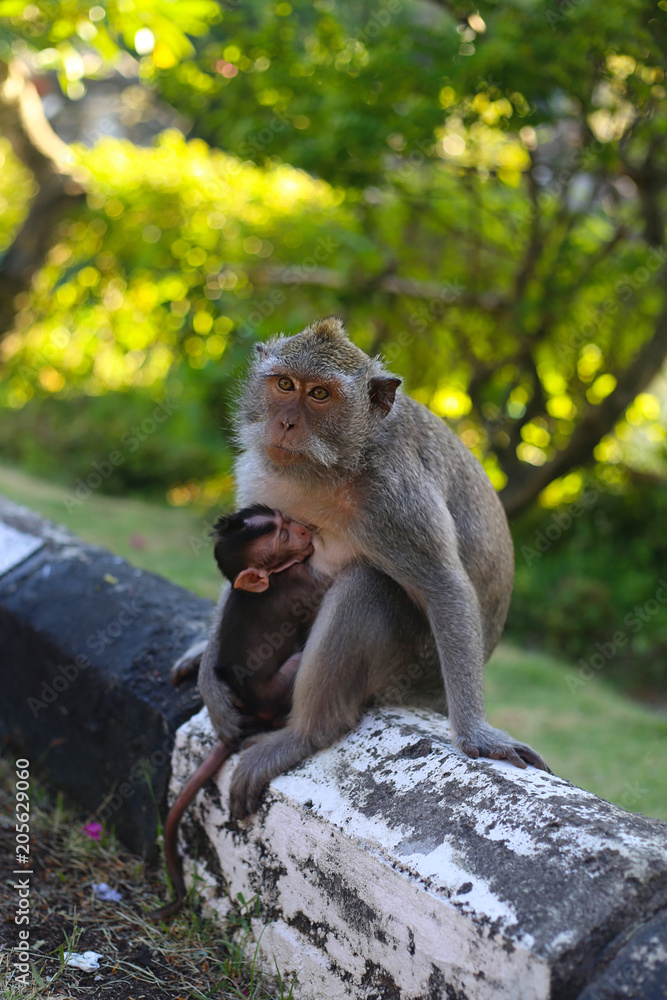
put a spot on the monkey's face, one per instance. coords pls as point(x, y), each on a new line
point(313, 401)
point(304, 418)
point(285, 543)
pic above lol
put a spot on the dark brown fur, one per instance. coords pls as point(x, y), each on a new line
point(258, 639)
point(259, 636)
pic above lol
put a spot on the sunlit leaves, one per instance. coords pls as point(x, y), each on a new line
point(451, 401)
point(492, 154)
point(135, 308)
point(15, 190)
point(80, 39)
point(601, 388)
point(645, 408)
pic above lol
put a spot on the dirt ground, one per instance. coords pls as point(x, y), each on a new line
point(192, 957)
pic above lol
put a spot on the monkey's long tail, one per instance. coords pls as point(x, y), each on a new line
point(206, 770)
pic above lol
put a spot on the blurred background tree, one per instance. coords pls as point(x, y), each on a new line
point(477, 189)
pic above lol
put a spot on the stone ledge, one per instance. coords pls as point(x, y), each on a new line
point(86, 642)
point(392, 866)
point(389, 866)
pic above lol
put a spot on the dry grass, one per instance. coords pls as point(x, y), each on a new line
point(193, 957)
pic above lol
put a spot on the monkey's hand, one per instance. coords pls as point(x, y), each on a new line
point(485, 741)
point(188, 664)
point(264, 759)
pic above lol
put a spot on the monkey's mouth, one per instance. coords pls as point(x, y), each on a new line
point(299, 558)
point(281, 454)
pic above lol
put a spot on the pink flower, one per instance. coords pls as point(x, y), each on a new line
point(94, 830)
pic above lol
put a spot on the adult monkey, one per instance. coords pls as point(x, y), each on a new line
point(329, 441)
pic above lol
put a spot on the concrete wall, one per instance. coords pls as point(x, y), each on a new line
point(392, 866)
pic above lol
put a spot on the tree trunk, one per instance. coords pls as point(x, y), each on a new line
point(35, 144)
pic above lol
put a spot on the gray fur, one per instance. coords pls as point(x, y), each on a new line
point(397, 494)
point(225, 718)
point(187, 665)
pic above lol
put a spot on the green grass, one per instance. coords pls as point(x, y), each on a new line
point(174, 539)
point(594, 737)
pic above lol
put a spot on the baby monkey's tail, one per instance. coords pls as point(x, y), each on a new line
point(206, 770)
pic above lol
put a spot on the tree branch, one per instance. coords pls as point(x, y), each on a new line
point(23, 122)
point(391, 284)
point(536, 406)
point(528, 481)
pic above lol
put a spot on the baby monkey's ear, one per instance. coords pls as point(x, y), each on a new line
point(255, 581)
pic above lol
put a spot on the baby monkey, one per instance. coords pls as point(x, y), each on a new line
point(260, 636)
point(270, 611)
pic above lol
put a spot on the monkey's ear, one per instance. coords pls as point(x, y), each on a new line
point(262, 350)
point(382, 390)
point(255, 581)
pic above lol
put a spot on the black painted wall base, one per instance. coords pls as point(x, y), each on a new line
point(86, 643)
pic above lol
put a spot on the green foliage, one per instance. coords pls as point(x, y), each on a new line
point(125, 304)
point(127, 313)
point(471, 151)
point(479, 191)
point(527, 172)
point(325, 86)
point(80, 39)
point(591, 584)
point(337, 89)
point(145, 275)
point(15, 191)
point(66, 440)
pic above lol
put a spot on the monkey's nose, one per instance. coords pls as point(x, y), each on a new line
point(287, 423)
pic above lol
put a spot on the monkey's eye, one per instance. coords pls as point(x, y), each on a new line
point(284, 535)
point(319, 392)
point(285, 383)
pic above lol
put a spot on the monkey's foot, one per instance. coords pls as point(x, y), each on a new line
point(248, 782)
point(498, 745)
point(188, 664)
point(262, 760)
